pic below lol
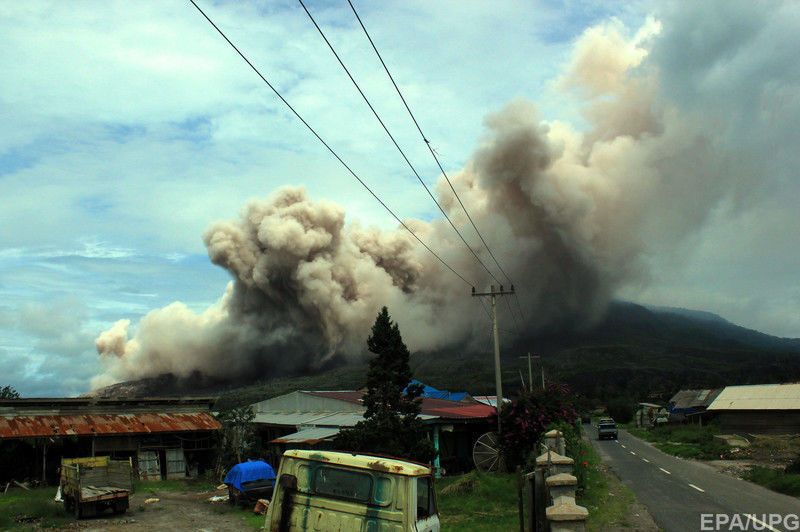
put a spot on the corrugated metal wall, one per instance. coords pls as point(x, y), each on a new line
point(764, 422)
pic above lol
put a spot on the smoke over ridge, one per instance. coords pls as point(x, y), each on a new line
point(570, 214)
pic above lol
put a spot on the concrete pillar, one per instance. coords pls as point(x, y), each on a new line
point(554, 439)
point(555, 462)
point(566, 516)
point(561, 485)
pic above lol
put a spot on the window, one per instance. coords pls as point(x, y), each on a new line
point(343, 484)
point(426, 504)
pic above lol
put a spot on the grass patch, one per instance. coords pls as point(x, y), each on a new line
point(173, 486)
point(606, 498)
point(37, 504)
point(684, 441)
point(774, 479)
point(478, 502)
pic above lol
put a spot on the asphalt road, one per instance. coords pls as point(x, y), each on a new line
point(677, 492)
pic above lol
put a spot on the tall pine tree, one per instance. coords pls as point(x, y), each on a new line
point(391, 425)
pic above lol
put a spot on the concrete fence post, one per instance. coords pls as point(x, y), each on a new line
point(554, 439)
point(562, 485)
point(566, 516)
point(555, 462)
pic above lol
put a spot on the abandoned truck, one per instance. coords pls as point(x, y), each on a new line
point(91, 485)
point(323, 490)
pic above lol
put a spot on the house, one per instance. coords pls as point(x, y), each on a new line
point(163, 437)
point(692, 405)
point(312, 419)
point(759, 409)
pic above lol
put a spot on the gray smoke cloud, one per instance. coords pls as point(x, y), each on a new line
point(569, 212)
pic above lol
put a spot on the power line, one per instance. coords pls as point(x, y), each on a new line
point(427, 142)
point(435, 158)
point(331, 150)
point(396, 145)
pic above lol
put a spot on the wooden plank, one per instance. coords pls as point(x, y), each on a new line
point(89, 461)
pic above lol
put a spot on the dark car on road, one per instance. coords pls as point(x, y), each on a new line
point(607, 429)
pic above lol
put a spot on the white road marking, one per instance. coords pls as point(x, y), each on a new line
point(665, 471)
point(701, 490)
point(646, 460)
point(633, 453)
point(762, 523)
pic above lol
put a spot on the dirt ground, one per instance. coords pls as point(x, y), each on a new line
point(173, 511)
point(764, 450)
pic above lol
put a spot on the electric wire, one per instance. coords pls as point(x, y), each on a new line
point(391, 137)
point(435, 158)
point(329, 148)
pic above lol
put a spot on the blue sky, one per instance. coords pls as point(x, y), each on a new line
point(129, 127)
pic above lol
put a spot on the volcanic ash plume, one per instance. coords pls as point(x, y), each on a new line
point(565, 212)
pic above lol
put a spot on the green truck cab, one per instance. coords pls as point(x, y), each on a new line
point(325, 490)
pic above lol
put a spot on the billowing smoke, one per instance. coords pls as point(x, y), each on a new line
point(569, 212)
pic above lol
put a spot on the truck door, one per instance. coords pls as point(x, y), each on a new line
point(426, 515)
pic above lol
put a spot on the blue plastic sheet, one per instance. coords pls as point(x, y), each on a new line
point(247, 472)
point(433, 393)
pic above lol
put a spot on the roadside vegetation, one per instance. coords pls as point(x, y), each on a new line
point(606, 498)
point(685, 441)
point(775, 479)
point(478, 501)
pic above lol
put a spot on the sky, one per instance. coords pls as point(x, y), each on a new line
point(128, 128)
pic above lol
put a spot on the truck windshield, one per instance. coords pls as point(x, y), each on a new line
point(608, 425)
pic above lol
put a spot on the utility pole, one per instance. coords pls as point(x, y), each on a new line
point(497, 375)
point(530, 371)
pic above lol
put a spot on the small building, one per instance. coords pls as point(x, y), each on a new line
point(312, 419)
point(650, 414)
point(691, 406)
point(758, 409)
point(163, 437)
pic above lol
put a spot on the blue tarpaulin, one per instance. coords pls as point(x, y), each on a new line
point(433, 393)
point(249, 471)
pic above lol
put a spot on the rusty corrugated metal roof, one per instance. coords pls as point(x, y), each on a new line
point(432, 407)
point(104, 424)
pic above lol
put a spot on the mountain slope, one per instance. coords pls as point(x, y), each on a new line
point(633, 351)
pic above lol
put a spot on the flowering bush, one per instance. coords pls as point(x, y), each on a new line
point(529, 416)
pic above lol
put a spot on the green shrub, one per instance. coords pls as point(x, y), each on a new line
point(774, 479)
point(528, 417)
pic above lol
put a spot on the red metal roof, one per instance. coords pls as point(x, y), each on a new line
point(432, 407)
point(103, 424)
